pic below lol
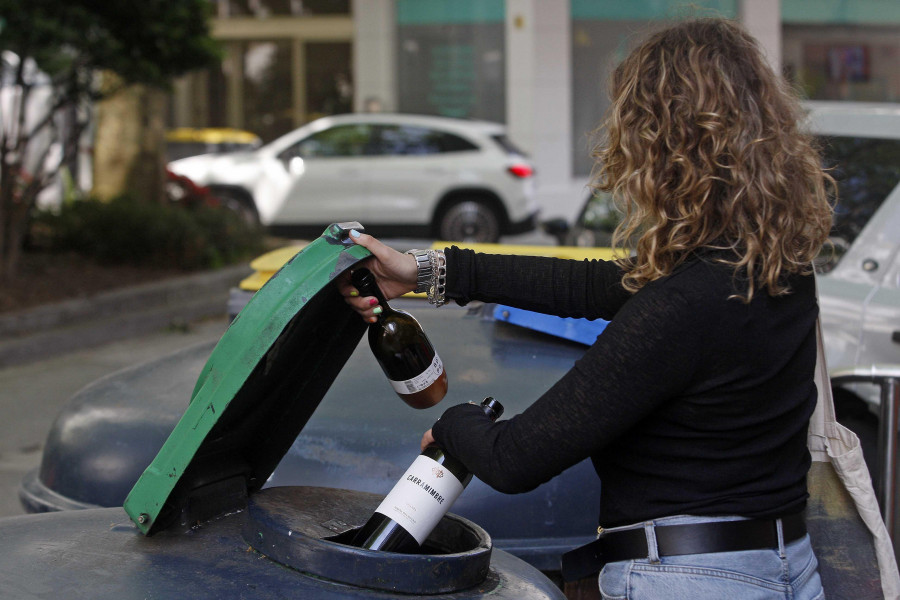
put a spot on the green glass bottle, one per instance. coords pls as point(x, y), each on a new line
point(403, 350)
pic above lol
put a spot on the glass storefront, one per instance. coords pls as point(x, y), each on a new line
point(844, 62)
point(602, 35)
point(451, 58)
point(843, 49)
point(267, 104)
point(285, 63)
point(329, 79)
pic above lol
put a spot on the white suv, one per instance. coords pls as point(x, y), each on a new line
point(399, 174)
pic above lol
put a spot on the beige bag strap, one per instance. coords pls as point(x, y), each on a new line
point(829, 441)
point(824, 412)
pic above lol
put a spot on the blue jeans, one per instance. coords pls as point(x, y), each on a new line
point(786, 572)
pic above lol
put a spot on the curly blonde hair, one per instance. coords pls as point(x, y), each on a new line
point(703, 150)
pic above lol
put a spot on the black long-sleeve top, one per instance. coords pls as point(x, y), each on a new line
point(690, 402)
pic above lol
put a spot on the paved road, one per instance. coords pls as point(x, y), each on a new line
point(31, 395)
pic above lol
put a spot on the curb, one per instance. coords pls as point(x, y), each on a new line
point(70, 325)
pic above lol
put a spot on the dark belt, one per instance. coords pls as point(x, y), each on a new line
point(673, 540)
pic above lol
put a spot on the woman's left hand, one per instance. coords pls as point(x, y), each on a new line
point(427, 440)
point(394, 271)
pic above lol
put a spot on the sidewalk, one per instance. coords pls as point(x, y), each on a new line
point(54, 329)
point(50, 352)
point(32, 394)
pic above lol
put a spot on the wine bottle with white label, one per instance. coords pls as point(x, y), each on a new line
point(403, 350)
point(413, 508)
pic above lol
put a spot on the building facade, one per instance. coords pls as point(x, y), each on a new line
point(540, 66)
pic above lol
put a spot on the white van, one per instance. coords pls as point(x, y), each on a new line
point(859, 295)
point(858, 285)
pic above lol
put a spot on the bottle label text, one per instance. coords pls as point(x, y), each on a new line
point(422, 380)
point(421, 497)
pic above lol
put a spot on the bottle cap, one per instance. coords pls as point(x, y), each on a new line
point(492, 408)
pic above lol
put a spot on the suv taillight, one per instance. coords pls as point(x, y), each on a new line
point(521, 170)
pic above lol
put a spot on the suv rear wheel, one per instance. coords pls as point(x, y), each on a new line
point(469, 221)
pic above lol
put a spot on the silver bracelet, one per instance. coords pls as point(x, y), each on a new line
point(425, 267)
point(431, 274)
point(439, 279)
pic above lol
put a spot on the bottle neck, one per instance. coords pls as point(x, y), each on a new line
point(365, 283)
point(492, 408)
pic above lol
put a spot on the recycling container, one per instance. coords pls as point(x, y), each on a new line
point(198, 523)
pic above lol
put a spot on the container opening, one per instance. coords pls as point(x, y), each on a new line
point(428, 547)
point(309, 529)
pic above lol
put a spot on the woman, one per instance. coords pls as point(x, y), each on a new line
point(694, 403)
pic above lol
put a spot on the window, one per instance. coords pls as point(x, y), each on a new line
point(342, 140)
point(411, 140)
point(267, 101)
point(843, 62)
point(329, 83)
point(454, 143)
point(452, 58)
point(505, 143)
point(866, 170)
point(267, 8)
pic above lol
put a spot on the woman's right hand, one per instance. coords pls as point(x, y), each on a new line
point(394, 271)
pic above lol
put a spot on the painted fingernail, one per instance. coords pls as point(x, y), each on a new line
point(377, 310)
point(354, 233)
point(372, 320)
point(373, 301)
point(354, 293)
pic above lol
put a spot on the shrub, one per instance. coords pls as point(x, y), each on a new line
point(124, 231)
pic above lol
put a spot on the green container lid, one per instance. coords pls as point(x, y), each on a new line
point(262, 382)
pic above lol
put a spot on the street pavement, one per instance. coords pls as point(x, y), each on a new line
point(31, 395)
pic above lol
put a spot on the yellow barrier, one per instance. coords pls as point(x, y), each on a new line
point(268, 264)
